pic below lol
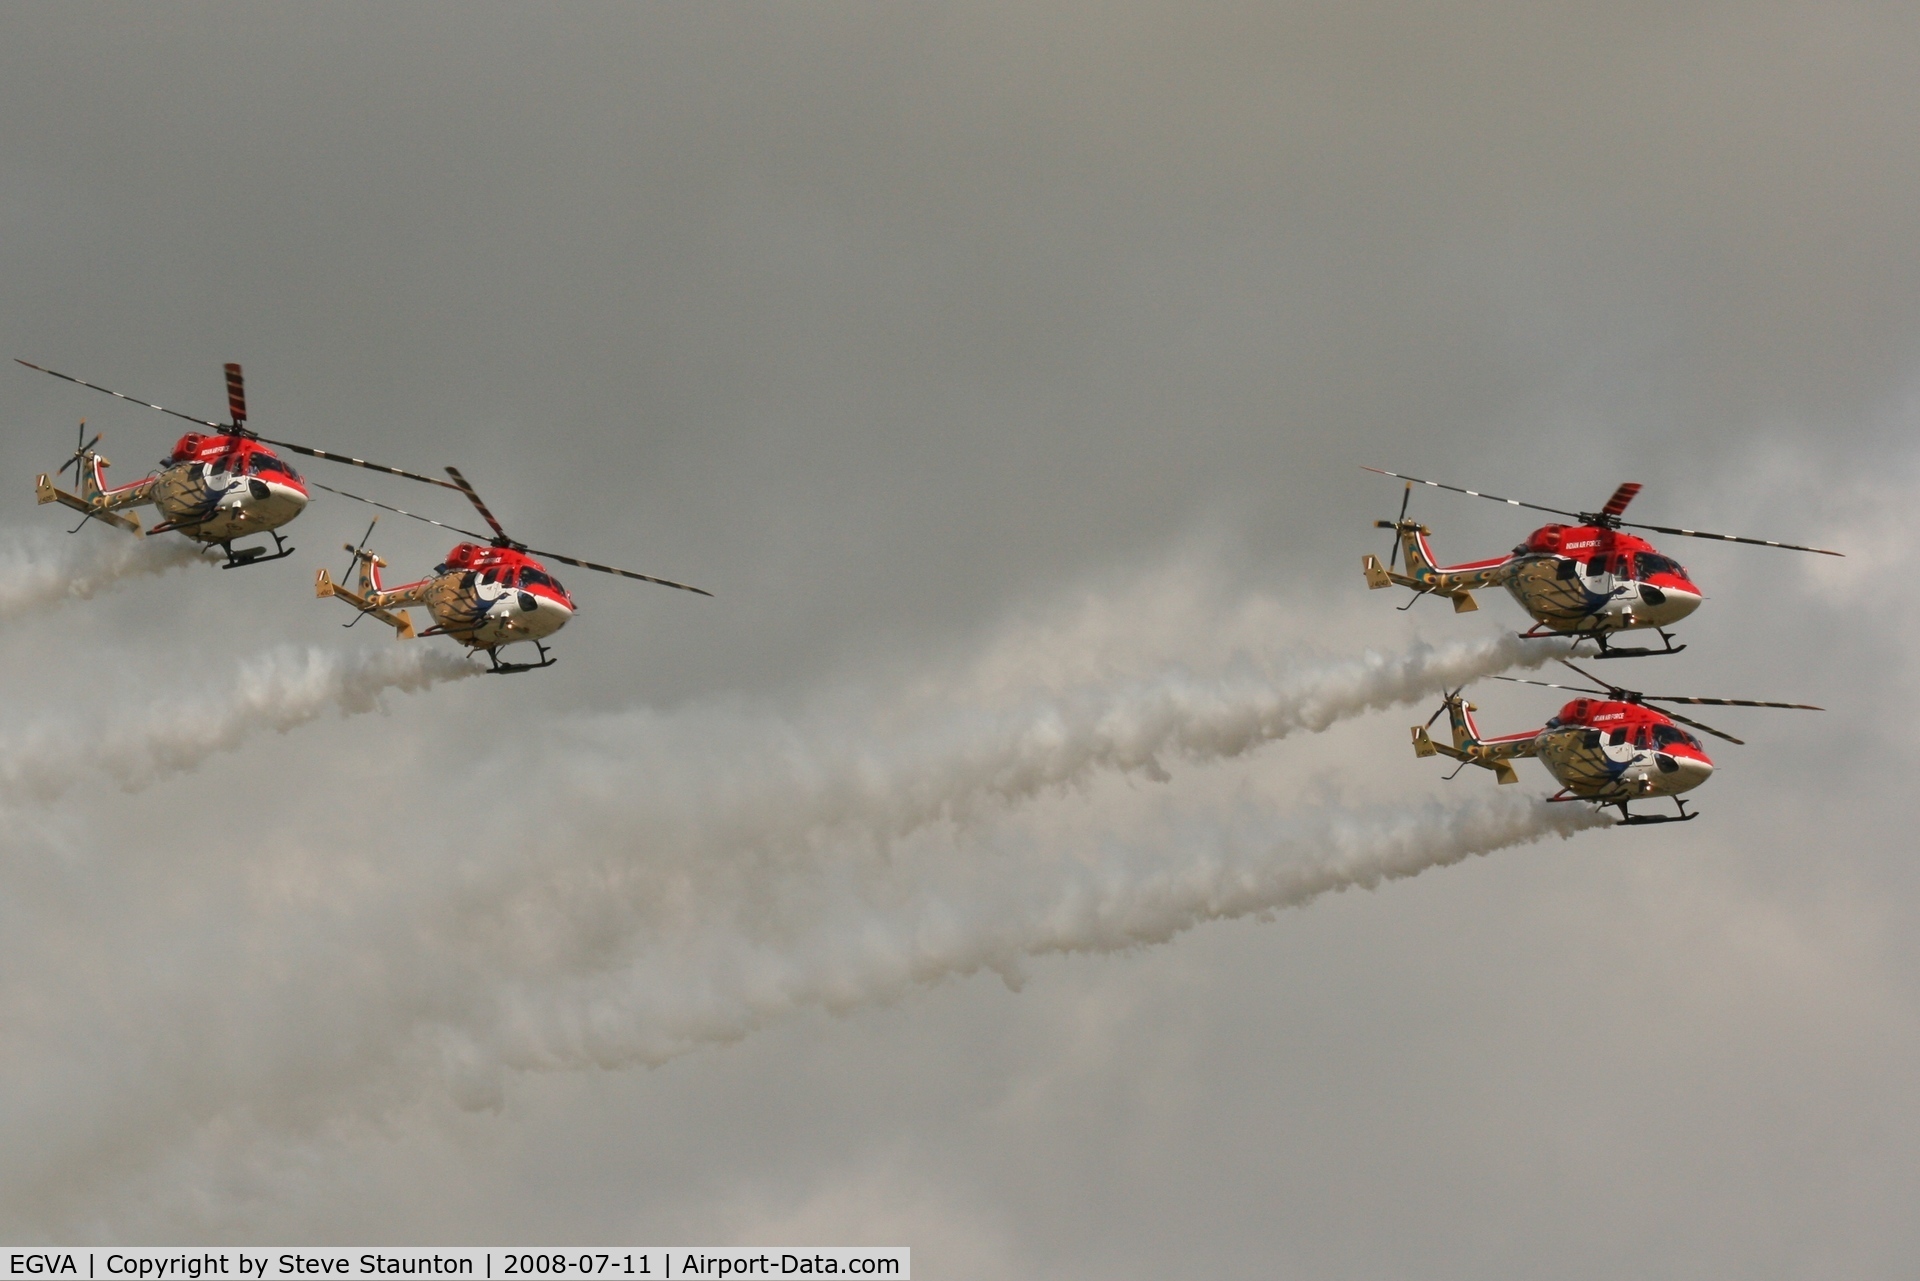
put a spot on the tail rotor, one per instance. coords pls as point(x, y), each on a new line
point(1446, 702)
point(357, 550)
point(83, 447)
point(1393, 552)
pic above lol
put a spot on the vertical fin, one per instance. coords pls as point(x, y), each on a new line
point(1460, 715)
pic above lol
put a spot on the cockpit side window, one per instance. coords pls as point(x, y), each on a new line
point(268, 465)
point(1650, 563)
point(1668, 735)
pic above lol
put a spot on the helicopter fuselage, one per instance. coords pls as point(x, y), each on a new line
point(213, 489)
point(1601, 750)
point(481, 596)
point(1574, 580)
point(1609, 752)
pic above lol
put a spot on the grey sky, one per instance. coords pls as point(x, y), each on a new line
point(960, 350)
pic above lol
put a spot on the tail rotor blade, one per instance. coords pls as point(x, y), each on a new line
point(362, 547)
point(1445, 703)
point(1394, 551)
point(82, 447)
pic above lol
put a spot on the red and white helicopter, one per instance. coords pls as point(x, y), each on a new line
point(1587, 580)
point(486, 594)
point(1610, 748)
point(212, 488)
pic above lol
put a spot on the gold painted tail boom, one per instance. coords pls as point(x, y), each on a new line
point(46, 491)
point(1423, 745)
point(400, 621)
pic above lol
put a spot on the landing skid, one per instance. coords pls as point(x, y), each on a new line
point(1606, 650)
point(508, 669)
point(1627, 817)
point(255, 555)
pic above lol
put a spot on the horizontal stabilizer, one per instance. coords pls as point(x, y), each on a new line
point(47, 492)
point(399, 620)
point(1423, 745)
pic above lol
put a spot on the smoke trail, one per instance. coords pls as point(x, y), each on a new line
point(832, 938)
point(275, 691)
point(832, 773)
point(36, 574)
point(628, 888)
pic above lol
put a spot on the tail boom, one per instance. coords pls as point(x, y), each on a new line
point(1469, 748)
point(101, 508)
point(400, 621)
point(1456, 583)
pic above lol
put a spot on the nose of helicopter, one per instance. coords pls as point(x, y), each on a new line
point(540, 615)
point(1688, 772)
point(1663, 606)
point(273, 504)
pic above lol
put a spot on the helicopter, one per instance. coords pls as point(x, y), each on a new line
point(1607, 747)
point(486, 594)
point(212, 488)
point(1589, 580)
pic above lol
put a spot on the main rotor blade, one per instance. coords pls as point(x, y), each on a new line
point(1612, 690)
point(401, 511)
point(1621, 497)
point(1578, 689)
point(1730, 538)
point(1702, 725)
point(1472, 493)
point(219, 427)
point(236, 395)
point(357, 462)
point(460, 483)
point(1729, 702)
point(609, 569)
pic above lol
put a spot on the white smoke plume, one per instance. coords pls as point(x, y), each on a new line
point(895, 779)
point(843, 934)
point(276, 691)
point(633, 887)
point(36, 572)
point(482, 961)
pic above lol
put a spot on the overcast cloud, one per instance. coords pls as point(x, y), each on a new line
point(1006, 372)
